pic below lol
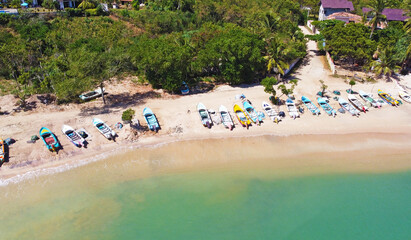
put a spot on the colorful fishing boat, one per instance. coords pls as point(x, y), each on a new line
point(226, 118)
point(73, 136)
point(104, 129)
point(49, 139)
point(151, 119)
point(241, 116)
point(292, 109)
point(348, 107)
point(271, 112)
point(252, 113)
point(326, 107)
point(368, 98)
point(405, 96)
point(387, 98)
point(204, 115)
point(184, 88)
point(310, 106)
point(356, 103)
point(2, 151)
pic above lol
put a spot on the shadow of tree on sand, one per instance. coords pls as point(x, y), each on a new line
point(123, 100)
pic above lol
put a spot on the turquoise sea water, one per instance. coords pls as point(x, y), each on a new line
point(111, 199)
point(220, 206)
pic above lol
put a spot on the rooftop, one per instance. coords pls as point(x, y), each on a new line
point(346, 17)
point(344, 4)
point(392, 14)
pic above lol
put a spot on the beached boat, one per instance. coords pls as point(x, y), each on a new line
point(310, 106)
point(271, 112)
point(226, 118)
point(49, 139)
point(73, 136)
point(151, 119)
point(92, 94)
point(326, 107)
point(184, 88)
point(356, 103)
point(368, 98)
point(104, 129)
point(405, 96)
point(2, 151)
point(292, 109)
point(204, 115)
point(252, 113)
point(348, 107)
point(387, 98)
point(241, 116)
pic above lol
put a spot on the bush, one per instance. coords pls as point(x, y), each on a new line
point(74, 12)
point(91, 12)
point(4, 18)
point(127, 115)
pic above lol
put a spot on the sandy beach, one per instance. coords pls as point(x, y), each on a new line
point(179, 119)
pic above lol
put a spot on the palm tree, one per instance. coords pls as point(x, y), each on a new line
point(276, 50)
point(407, 28)
point(377, 6)
point(386, 64)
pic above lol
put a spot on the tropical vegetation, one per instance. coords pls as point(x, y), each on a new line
point(164, 43)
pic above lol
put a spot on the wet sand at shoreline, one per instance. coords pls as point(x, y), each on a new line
point(296, 154)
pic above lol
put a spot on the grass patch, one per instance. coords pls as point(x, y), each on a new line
point(6, 87)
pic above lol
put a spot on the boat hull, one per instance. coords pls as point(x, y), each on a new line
point(310, 106)
point(387, 98)
point(49, 139)
point(2, 151)
point(204, 115)
point(73, 136)
point(241, 116)
point(151, 119)
point(105, 130)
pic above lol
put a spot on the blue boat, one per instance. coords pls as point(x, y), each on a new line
point(184, 88)
point(310, 106)
point(49, 139)
point(327, 108)
point(252, 113)
point(151, 119)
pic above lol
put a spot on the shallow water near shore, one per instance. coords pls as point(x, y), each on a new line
point(245, 188)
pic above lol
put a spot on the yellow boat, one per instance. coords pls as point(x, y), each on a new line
point(2, 151)
point(241, 116)
point(387, 97)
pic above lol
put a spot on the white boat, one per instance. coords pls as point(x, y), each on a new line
point(271, 112)
point(292, 109)
point(348, 107)
point(405, 96)
point(73, 136)
point(104, 129)
point(204, 115)
point(92, 94)
point(367, 97)
point(226, 118)
point(357, 103)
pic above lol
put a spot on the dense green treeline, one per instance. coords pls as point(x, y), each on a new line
point(165, 44)
point(351, 44)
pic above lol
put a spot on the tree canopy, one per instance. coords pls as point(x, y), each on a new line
point(165, 43)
